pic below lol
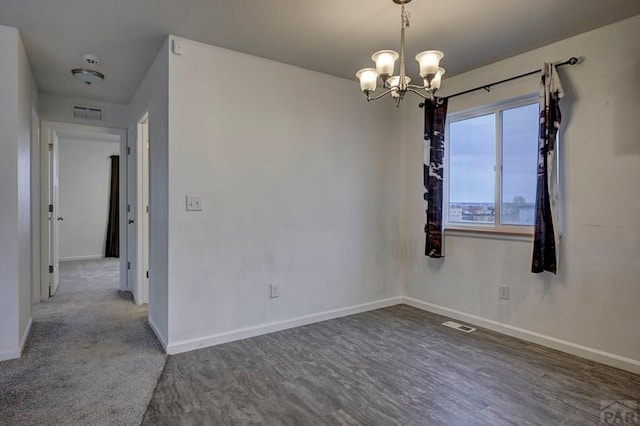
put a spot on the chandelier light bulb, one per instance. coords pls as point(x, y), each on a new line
point(393, 82)
point(368, 78)
point(429, 61)
point(437, 80)
point(385, 62)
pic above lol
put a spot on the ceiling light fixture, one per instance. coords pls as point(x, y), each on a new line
point(87, 76)
point(398, 86)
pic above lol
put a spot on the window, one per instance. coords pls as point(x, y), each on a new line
point(492, 156)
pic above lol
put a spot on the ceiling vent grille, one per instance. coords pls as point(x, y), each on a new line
point(87, 113)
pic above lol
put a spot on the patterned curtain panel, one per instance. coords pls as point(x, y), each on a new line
point(435, 114)
point(547, 234)
point(113, 225)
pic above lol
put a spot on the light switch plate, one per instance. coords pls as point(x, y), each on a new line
point(194, 203)
point(275, 291)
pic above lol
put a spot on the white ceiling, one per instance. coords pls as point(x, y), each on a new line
point(331, 36)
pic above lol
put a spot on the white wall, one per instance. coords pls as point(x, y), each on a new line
point(153, 94)
point(299, 179)
point(16, 90)
point(593, 303)
point(59, 108)
point(27, 99)
point(35, 198)
point(85, 175)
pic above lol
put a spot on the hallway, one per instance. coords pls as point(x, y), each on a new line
point(91, 358)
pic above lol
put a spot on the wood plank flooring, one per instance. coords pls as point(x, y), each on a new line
point(397, 365)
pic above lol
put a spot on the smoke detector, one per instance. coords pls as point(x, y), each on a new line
point(91, 59)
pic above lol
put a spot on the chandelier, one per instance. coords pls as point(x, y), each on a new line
point(398, 85)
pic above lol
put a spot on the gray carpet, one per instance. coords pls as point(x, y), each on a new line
point(91, 358)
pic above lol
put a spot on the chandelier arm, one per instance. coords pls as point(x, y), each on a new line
point(373, 98)
point(415, 86)
point(422, 95)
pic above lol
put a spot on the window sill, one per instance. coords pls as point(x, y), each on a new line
point(488, 233)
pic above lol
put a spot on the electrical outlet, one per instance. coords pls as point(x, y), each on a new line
point(275, 290)
point(194, 203)
point(503, 292)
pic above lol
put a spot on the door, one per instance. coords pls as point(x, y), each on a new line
point(131, 225)
point(145, 212)
point(138, 197)
point(56, 217)
point(50, 277)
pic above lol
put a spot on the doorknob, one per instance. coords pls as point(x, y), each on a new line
point(60, 218)
point(130, 221)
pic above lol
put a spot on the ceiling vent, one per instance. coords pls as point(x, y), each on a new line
point(87, 113)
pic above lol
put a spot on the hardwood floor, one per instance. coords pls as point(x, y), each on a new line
point(397, 365)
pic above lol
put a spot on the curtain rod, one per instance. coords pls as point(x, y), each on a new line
point(571, 61)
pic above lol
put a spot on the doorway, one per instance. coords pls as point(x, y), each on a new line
point(78, 207)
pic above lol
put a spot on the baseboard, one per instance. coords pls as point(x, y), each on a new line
point(71, 258)
point(25, 335)
point(159, 336)
point(7, 355)
point(592, 354)
point(257, 330)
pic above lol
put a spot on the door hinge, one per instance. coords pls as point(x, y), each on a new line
point(128, 265)
point(128, 208)
point(50, 208)
point(128, 150)
point(51, 269)
point(147, 274)
point(147, 209)
point(50, 147)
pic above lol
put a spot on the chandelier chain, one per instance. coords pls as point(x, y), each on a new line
point(404, 17)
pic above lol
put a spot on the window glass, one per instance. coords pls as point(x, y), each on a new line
point(471, 170)
point(519, 164)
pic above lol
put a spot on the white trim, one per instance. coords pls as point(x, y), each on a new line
point(159, 336)
point(7, 355)
point(257, 330)
point(592, 354)
point(486, 233)
point(71, 258)
point(25, 335)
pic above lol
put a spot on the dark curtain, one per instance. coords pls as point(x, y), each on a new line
point(113, 226)
point(546, 233)
point(435, 113)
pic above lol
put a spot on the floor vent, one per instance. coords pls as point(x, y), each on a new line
point(87, 113)
point(460, 327)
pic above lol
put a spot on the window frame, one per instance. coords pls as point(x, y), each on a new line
point(486, 228)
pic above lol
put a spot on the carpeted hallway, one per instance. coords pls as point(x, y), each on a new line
point(91, 358)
